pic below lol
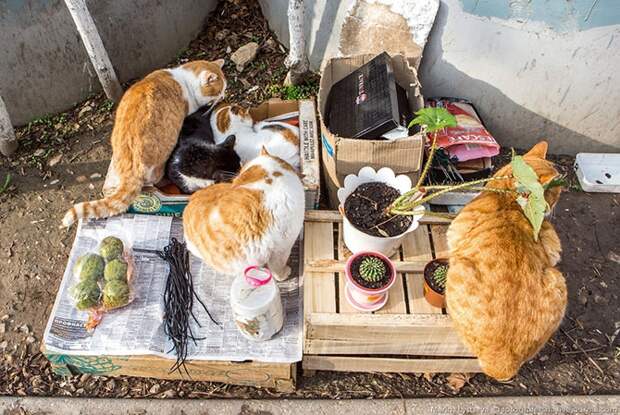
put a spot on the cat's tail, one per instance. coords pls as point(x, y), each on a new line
point(111, 205)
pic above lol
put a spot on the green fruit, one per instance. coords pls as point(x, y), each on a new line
point(86, 294)
point(372, 269)
point(111, 247)
point(89, 267)
point(115, 294)
point(115, 270)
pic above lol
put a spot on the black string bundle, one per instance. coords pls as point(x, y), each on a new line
point(179, 302)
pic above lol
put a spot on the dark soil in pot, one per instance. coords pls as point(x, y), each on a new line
point(366, 207)
point(355, 273)
point(430, 270)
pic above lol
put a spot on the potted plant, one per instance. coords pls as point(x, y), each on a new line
point(379, 208)
point(368, 199)
point(369, 276)
point(364, 199)
point(435, 275)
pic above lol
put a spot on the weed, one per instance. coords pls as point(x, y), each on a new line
point(7, 183)
point(294, 92)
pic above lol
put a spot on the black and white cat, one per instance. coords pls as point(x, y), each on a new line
point(197, 161)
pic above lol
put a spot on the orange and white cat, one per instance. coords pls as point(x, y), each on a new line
point(255, 220)
point(503, 292)
point(148, 120)
point(279, 138)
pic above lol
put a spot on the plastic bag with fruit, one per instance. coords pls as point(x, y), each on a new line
point(103, 279)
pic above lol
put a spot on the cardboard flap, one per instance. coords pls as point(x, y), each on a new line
point(402, 156)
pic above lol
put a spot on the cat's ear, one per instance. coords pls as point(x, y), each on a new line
point(229, 142)
point(207, 77)
point(219, 62)
point(538, 151)
point(264, 152)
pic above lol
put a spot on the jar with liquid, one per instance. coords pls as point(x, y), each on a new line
point(256, 304)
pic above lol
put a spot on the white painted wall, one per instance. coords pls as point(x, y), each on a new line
point(527, 80)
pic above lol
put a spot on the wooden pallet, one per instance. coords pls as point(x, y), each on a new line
point(407, 335)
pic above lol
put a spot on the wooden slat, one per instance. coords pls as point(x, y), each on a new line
point(332, 265)
point(343, 254)
point(402, 347)
point(335, 216)
point(320, 288)
point(383, 365)
point(417, 247)
point(440, 243)
point(413, 334)
point(396, 296)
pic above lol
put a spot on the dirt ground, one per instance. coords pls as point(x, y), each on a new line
point(63, 159)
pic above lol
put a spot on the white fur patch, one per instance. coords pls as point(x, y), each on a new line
point(250, 138)
point(195, 183)
point(191, 86)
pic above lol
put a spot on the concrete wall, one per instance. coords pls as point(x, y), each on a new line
point(44, 67)
point(534, 68)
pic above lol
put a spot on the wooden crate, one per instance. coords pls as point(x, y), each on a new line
point(407, 335)
point(278, 376)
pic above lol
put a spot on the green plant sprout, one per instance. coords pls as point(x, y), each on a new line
point(7, 183)
point(439, 276)
point(372, 269)
point(529, 192)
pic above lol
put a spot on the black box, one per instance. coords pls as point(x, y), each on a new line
point(367, 103)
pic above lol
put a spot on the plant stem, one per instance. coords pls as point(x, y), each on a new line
point(428, 163)
point(408, 207)
point(475, 189)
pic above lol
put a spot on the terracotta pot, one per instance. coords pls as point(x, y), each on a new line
point(367, 299)
point(434, 298)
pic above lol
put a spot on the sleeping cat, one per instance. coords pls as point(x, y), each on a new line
point(197, 163)
point(279, 138)
point(254, 220)
point(148, 120)
point(503, 292)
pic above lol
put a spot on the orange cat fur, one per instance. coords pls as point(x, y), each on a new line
point(148, 120)
point(503, 292)
point(255, 220)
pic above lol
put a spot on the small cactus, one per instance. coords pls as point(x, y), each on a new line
point(439, 275)
point(372, 269)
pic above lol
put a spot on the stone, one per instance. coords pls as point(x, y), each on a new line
point(30, 339)
point(95, 176)
point(54, 160)
point(244, 55)
point(80, 179)
point(84, 110)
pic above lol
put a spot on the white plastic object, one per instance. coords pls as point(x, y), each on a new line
point(598, 172)
point(256, 304)
point(358, 241)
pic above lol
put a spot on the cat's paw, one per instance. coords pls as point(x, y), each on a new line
point(283, 274)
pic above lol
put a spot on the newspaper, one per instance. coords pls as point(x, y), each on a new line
point(137, 329)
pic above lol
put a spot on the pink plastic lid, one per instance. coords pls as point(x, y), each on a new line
point(257, 276)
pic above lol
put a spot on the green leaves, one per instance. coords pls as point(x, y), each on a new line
point(433, 119)
point(531, 193)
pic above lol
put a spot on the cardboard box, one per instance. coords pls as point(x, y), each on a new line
point(278, 376)
point(154, 200)
point(342, 156)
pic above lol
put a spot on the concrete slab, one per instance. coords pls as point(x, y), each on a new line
point(78, 406)
point(599, 405)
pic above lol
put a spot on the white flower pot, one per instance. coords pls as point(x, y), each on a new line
point(358, 241)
